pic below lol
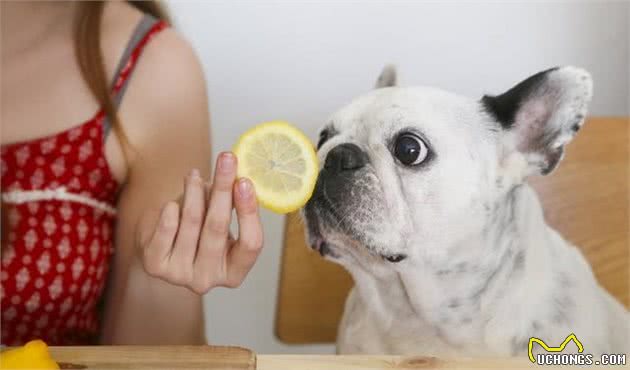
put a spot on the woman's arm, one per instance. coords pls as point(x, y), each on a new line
point(184, 242)
point(165, 117)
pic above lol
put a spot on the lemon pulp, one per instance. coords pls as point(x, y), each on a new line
point(281, 162)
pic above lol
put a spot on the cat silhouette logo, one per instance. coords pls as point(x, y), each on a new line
point(560, 348)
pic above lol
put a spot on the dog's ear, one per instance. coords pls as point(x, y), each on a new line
point(387, 78)
point(540, 115)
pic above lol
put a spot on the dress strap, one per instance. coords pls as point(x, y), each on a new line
point(147, 27)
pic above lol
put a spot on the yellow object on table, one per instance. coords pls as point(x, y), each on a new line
point(33, 355)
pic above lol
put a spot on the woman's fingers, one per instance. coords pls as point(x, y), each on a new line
point(191, 221)
point(210, 261)
point(217, 224)
point(245, 251)
point(193, 247)
point(207, 187)
point(157, 250)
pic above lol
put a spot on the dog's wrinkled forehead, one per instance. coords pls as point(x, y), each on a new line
point(440, 116)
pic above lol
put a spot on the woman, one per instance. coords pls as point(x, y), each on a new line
point(91, 179)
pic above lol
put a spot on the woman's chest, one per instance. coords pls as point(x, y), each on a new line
point(68, 164)
point(48, 97)
point(42, 96)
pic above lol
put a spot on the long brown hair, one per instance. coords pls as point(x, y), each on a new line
point(87, 45)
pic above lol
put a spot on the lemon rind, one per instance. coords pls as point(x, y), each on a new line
point(269, 200)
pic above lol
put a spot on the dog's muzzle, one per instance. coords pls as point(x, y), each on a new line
point(337, 179)
point(331, 196)
point(347, 203)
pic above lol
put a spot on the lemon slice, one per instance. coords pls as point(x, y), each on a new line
point(281, 162)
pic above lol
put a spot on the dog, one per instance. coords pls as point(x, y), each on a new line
point(422, 197)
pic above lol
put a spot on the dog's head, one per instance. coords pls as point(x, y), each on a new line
point(407, 171)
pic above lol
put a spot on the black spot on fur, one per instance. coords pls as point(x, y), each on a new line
point(562, 304)
point(553, 159)
point(576, 124)
point(565, 281)
point(490, 275)
point(454, 303)
point(518, 345)
point(494, 129)
point(558, 318)
point(575, 127)
point(499, 183)
point(461, 267)
point(395, 258)
point(443, 272)
point(505, 106)
point(326, 134)
point(519, 260)
point(535, 327)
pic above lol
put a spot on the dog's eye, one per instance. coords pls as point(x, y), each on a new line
point(410, 149)
point(323, 136)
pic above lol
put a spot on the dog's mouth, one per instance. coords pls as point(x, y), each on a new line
point(315, 238)
point(324, 248)
point(329, 249)
point(332, 230)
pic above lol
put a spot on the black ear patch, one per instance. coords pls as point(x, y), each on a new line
point(505, 106)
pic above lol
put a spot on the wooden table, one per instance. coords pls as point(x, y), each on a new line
point(212, 357)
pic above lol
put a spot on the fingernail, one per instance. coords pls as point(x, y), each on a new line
point(195, 173)
point(244, 188)
point(226, 162)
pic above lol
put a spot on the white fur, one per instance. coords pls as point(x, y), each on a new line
point(469, 225)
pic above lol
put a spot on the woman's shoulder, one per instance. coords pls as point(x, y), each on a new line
point(167, 50)
point(167, 63)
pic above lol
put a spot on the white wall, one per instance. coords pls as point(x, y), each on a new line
point(301, 60)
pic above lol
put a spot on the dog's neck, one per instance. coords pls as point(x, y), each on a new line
point(456, 296)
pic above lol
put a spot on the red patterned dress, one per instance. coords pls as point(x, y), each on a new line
point(59, 195)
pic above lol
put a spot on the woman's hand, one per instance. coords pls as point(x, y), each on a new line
point(191, 246)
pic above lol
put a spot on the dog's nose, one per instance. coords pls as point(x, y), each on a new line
point(345, 157)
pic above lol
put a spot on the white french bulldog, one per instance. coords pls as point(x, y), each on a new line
point(422, 198)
